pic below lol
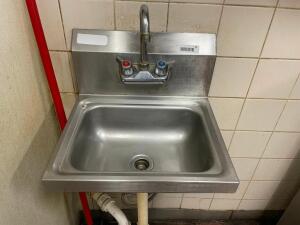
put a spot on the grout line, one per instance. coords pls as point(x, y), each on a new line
point(232, 57)
point(252, 98)
point(219, 23)
point(115, 17)
point(168, 12)
point(293, 88)
point(62, 23)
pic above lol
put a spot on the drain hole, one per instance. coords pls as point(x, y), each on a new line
point(141, 164)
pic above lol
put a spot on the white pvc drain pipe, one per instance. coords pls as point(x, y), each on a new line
point(142, 206)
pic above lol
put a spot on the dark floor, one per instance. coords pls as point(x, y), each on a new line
point(101, 218)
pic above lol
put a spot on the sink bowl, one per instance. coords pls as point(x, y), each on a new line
point(141, 144)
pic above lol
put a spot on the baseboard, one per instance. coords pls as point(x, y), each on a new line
point(185, 215)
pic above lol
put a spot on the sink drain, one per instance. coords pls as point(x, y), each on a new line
point(141, 162)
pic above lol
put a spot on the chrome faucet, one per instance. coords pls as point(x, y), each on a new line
point(144, 71)
point(144, 34)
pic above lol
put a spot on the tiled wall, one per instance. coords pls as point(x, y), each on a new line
point(255, 91)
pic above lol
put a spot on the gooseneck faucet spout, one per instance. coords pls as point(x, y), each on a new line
point(144, 34)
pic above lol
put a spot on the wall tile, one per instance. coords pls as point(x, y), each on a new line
point(283, 145)
point(290, 119)
point(227, 136)
point(195, 203)
point(232, 77)
point(224, 204)
point(271, 190)
point(260, 114)
point(200, 1)
point(127, 15)
point(252, 2)
point(194, 18)
point(289, 3)
point(243, 30)
point(237, 195)
point(52, 24)
point(296, 90)
point(226, 111)
point(244, 167)
point(253, 204)
point(68, 102)
point(284, 35)
point(274, 78)
point(169, 195)
point(86, 14)
point(61, 65)
point(277, 204)
point(261, 189)
point(277, 169)
point(163, 202)
point(198, 195)
point(248, 143)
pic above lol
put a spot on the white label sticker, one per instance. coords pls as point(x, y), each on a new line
point(92, 39)
point(190, 48)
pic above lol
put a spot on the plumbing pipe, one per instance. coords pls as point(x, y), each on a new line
point(142, 205)
point(52, 83)
point(107, 204)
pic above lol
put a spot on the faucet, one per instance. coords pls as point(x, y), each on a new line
point(144, 35)
point(144, 71)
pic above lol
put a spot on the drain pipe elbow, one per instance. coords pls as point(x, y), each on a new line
point(107, 204)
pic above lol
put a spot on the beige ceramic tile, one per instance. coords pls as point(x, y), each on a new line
point(278, 204)
point(260, 114)
point(61, 65)
point(278, 169)
point(261, 189)
point(195, 203)
point(52, 24)
point(244, 167)
point(232, 77)
point(248, 143)
point(290, 118)
point(243, 30)
point(86, 14)
point(127, 15)
point(227, 136)
point(289, 3)
point(224, 204)
point(199, 1)
point(296, 90)
point(271, 189)
point(253, 204)
point(237, 195)
point(169, 195)
point(252, 2)
point(68, 102)
point(283, 145)
point(198, 195)
point(274, 78)
point(226, 111)
point(284, 35)
point(163, 202)
point(194, 18)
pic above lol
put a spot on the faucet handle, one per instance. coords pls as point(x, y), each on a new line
point(162, 67)
point(125, 66)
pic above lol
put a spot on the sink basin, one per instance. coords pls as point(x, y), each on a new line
point(141, 144)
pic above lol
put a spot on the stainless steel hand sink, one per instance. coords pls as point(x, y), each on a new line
point(142, 144)
point(142, 136)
